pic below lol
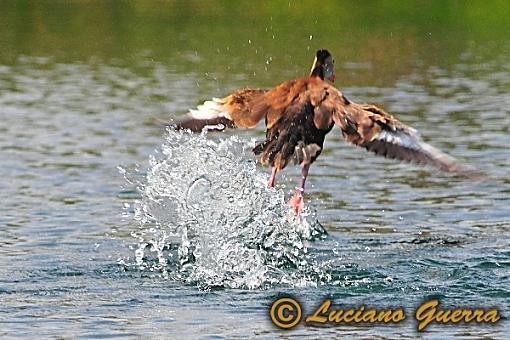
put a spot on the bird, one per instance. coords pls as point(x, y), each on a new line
point(299, 113)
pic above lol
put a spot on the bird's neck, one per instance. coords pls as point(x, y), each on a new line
point(317, 71)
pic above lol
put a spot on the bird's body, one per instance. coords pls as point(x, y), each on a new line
point(299, 113)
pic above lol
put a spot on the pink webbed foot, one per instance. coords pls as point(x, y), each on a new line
point(296, 203)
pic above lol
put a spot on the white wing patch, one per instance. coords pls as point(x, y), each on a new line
point(400, 138)
point(209, 110)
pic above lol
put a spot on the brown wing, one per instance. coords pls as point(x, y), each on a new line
point(244, 108)
point(371, 127)
point(217, 114)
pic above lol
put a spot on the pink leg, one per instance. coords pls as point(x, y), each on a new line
point(297, 201)
point(272, 180)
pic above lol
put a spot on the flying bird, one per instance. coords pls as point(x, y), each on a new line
point(299, 113)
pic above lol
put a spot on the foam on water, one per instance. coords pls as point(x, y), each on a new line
point(207, 217)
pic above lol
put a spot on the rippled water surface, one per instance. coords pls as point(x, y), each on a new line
point(111, 226)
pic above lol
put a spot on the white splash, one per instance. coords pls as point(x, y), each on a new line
point(207, 217)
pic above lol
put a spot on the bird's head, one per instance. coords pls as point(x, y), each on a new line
point(323, 66)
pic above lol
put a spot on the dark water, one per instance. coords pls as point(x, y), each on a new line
point(111, 227)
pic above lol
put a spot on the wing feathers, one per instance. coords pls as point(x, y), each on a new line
point(197, 125)
point(235, 110)
point(209, 109)
point(371, 127)
point(364, 125)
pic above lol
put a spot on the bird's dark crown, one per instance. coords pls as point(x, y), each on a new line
point(322, 55)
point(319, 64)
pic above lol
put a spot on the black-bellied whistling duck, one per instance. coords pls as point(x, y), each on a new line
point(298, 115)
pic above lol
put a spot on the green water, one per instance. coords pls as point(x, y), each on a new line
point(392, 36)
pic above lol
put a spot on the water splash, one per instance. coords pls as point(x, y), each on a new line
point(207, 217)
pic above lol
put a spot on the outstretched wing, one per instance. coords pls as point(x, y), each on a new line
point(369, 126)
point(235, 110)
point(244, 108)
